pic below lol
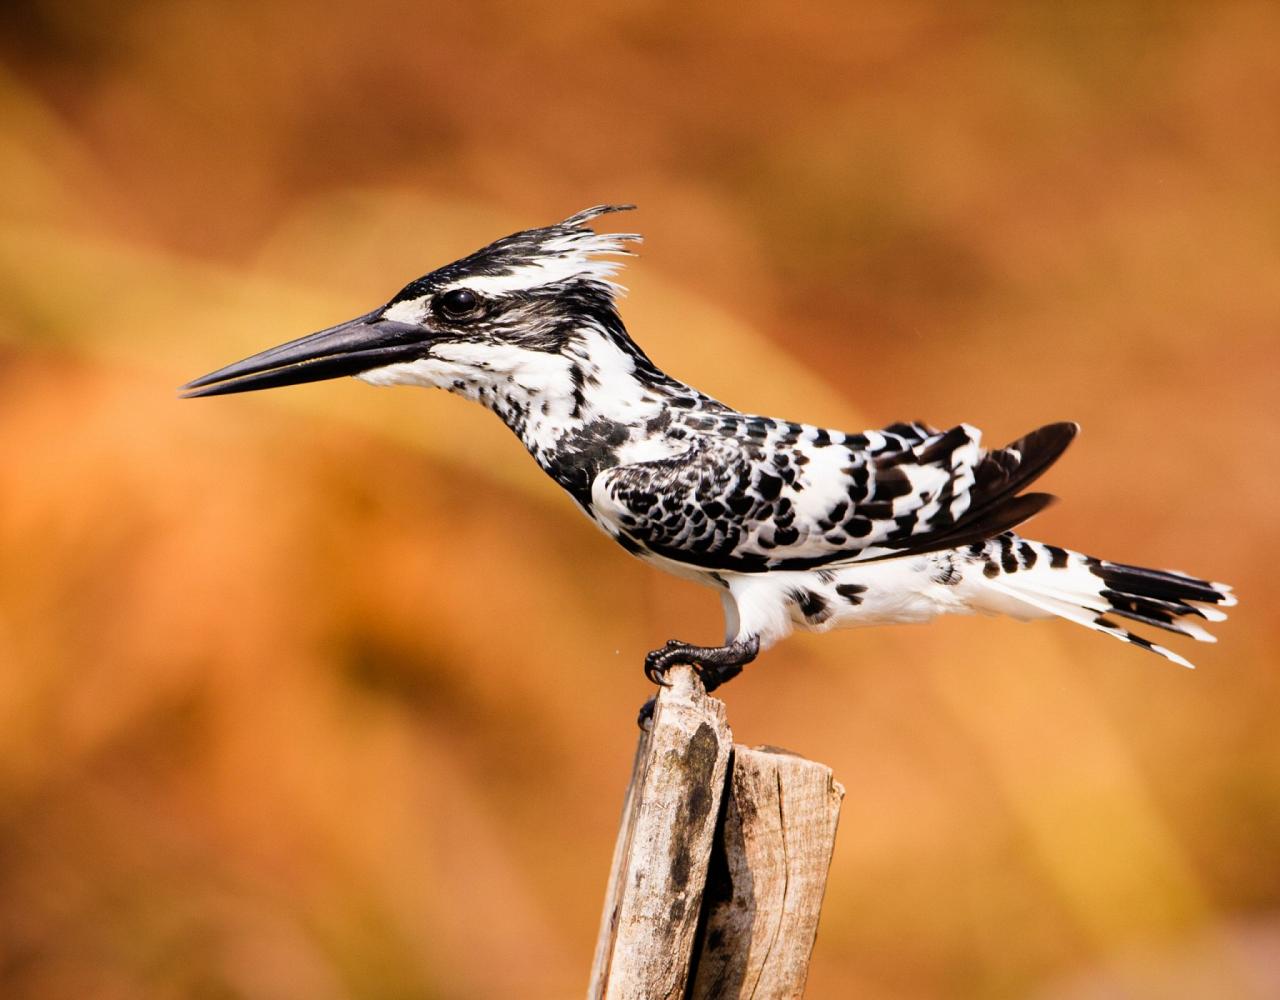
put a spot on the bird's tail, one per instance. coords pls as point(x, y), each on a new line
point(1027, 579)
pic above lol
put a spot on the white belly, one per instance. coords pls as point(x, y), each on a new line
point(911, 589)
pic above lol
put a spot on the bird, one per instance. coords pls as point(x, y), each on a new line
point(792, 524)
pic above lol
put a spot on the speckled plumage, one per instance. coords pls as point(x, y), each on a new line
point(794, 525)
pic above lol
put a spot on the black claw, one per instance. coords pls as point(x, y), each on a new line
point(656, 667)
point(645, 714)
point(659, 661)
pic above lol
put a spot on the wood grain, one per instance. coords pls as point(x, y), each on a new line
point(654, 899)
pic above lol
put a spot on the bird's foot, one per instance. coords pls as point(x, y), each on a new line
point(713, 664)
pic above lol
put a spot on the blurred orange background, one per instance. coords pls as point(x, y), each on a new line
point(327, 692)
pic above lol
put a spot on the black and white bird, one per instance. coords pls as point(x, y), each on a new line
point(794, 525)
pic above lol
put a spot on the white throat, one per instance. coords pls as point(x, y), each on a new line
point(539, 394)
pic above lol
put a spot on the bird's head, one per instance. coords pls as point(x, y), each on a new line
point(510, 307)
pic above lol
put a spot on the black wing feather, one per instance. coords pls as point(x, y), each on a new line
point(996, 505)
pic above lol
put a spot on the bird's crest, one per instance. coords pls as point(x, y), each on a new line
point(564, 251)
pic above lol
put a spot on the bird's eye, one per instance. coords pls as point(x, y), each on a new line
point(459, 302)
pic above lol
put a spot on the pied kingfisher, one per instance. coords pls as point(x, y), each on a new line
point(793, 525)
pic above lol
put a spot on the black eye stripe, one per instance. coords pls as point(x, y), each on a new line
point(458, 302)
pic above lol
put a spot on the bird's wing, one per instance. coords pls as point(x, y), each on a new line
point(750, 494)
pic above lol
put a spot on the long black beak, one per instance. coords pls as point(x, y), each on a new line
point(346, 349)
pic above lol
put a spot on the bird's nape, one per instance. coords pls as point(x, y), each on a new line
point(346, 349)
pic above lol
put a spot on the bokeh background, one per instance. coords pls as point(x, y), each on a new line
point(328, 693)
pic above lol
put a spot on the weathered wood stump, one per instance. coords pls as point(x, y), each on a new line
point(720, 864)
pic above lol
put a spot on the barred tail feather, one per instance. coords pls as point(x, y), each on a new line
point(1033, 580)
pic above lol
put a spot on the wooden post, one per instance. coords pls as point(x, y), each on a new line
point(720, 864)
point(654, 897)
